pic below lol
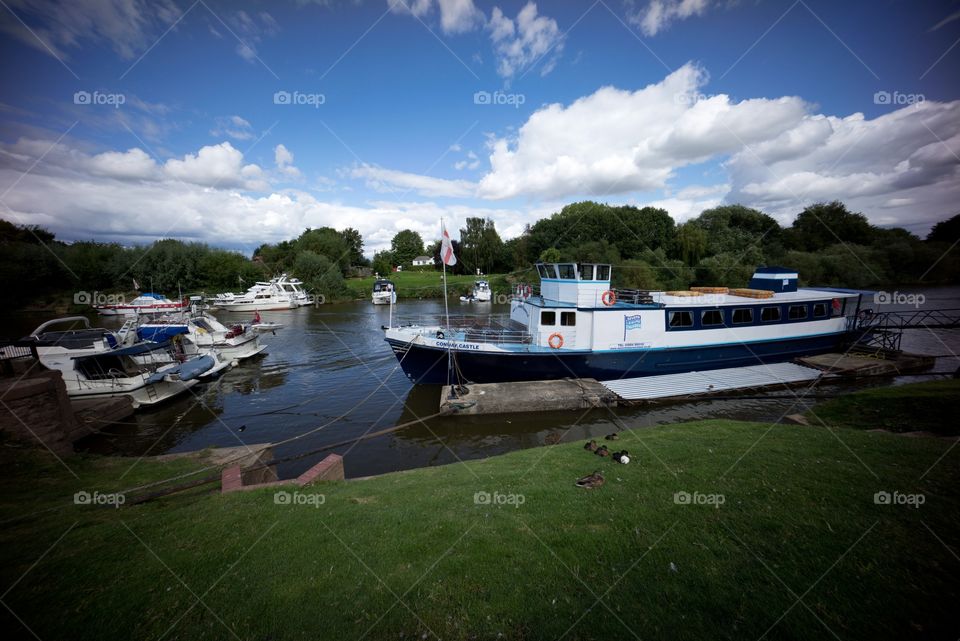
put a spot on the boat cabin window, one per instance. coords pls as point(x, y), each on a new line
point(742, 316)
point(546, 271)
point(770, 314)
point(711, 318)
point(548, 318)
point(819, 310)
point(797, 312)
point(568, 319)
point(681, 319)
point(603, 272)
point(586, 272)
point(567, 271)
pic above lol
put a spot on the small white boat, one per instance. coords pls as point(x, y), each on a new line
point(276, 294)
point(479, 294)
point(204, 332)
point(384, 292)
point(481, 291)
point(142, 305)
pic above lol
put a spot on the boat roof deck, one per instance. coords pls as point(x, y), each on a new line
point(714, 300)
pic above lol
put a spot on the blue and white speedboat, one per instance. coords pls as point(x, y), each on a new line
point(577, 326)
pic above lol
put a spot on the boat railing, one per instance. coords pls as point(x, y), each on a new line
point(634, 296)
point(483, 328)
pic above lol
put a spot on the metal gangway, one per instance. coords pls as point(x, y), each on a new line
point(885, 329)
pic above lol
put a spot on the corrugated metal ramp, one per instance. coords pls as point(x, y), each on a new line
point(710, 381)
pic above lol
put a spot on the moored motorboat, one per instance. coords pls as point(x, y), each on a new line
point(144, 304)
point(384, 292)
point(147, 373)
point(577, 326)
point(479, 294)
point(203, 332)
point(276, 294)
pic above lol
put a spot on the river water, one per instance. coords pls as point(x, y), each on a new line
point(330, 366)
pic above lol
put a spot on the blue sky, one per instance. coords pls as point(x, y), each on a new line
point(684, 104)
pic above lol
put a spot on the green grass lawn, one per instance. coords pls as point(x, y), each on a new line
point(428, 284)
point(798, 549)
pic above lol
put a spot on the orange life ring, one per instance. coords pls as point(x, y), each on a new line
point(608, 298)
point(527, 291)
point(559, 338)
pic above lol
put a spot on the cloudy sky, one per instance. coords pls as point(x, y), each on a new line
point(239, 123)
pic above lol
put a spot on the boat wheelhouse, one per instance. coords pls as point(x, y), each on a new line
point(577, 326)
point(384, 292)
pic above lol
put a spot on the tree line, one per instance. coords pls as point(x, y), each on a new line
point(826, 243)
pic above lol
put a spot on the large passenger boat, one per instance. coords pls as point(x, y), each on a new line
point(577, 326)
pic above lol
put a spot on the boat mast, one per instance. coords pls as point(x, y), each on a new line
point(446, 306)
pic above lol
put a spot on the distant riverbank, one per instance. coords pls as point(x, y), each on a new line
point(428, 284)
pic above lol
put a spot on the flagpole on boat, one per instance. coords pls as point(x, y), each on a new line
point(446, 306)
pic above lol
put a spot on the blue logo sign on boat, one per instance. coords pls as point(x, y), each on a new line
point(631, 322)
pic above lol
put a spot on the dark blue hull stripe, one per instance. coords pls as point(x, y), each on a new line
point(428, 365)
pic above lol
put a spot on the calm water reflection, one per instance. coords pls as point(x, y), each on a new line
point(331, 365)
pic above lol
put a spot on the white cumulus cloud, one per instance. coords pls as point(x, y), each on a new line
point(658, 14)
point(523, 42)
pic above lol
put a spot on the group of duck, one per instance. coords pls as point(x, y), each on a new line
point(596, 479)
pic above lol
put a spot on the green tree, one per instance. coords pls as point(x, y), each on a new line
point(383, 263)
point(550, 255)
point(481, 245)
point(946, 231)
point(320, 275)
point(732, 229)
point(824, 224)
point(691, 242)
point(406, 246)
point(354, 241)
point(328, 242)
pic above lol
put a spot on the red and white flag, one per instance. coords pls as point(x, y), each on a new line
point(446, 250)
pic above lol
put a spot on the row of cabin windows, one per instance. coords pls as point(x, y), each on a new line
point(569, 271)
point(744, 315)
point(549, 319)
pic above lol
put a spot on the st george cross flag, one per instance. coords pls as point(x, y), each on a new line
point(446, 250)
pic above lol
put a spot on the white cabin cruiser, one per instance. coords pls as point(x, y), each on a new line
point(276, 294)
point(95, 362)
point(479, 294)
point(384, 292)
point(578, 326)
